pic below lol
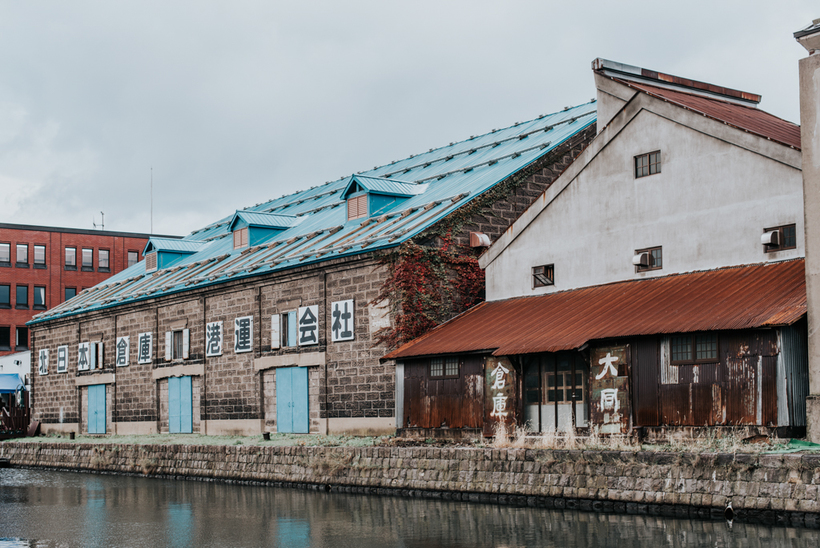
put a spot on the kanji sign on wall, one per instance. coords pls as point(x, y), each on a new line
point(499, 393)
point(213, 339)
point(145, 347)
point(243, 334)
point(341, 327)
point(308, 325)
point(123, 351)
point(62, 359)
point(609, 405)
point(43, 362)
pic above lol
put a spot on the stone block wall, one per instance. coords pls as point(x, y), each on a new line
point(782, 488)
point(136, 399)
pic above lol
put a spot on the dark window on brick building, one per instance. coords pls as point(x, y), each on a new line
point(102, 259)
point(21, 342)
point(88, 260)
point(39, 297)
point(22, 255)
point(71, 258)
point(70, 292)
point(133, 258)
point(5, 296)
point(22, 297)
point(648, 164)
point(5, 254)
point(39, 256)
point(5, 337)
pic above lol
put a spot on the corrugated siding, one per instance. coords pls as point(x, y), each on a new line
point(796, 363)
point(645, 380)
point(724, 299)
point(451, 403)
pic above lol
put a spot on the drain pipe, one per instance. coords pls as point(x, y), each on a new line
point(729, 512)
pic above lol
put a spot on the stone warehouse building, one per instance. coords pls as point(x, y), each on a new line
point(274, 318)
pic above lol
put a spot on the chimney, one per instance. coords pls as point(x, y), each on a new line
point(809, 38)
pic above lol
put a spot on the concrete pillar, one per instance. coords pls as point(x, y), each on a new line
point(809, 38)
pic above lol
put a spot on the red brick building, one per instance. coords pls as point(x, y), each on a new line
point(41, 267)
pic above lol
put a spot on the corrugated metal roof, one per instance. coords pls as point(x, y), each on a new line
point(453, 176)
point(743, 117)
point(725, 299)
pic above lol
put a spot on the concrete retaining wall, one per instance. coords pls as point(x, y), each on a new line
point(771, 488)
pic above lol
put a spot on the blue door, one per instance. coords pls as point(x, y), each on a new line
point(96, 409)
point(292, 400)
point(180, 407)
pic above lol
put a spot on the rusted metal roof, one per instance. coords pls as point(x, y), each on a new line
point(725, 299)
point(743, 117)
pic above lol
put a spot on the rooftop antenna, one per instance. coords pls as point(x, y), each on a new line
point(102, 223)
point(152, 200)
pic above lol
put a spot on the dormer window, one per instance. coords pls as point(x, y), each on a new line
point(240, 238)
point(357, 207)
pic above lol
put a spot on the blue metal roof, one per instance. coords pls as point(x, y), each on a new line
point(382, 185)
point(267, 220)
point(173, 245)
point(449, 178)
point(10, 383)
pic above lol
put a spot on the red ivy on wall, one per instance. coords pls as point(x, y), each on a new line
point(427, 285)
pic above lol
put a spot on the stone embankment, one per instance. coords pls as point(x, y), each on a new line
point(757, 487)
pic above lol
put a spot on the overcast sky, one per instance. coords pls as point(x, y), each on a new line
point(233, 103)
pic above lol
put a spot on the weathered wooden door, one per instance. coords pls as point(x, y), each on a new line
point(180, 407)
point(292, 400)
point(96, 409)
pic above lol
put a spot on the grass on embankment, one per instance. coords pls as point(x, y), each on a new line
point(276, 440)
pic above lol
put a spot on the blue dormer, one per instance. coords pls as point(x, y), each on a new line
point(165, 252)
point(252, 228)
point(369, 196)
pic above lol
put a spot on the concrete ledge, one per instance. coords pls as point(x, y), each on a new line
point(238, 427)
point(140, 428)
point(380, 426)
point(89, 380)
point(303, 359)
point(59, 428)
point(193, 370)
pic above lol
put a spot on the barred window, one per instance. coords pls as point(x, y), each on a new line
point(700, 348)
point(444, 367)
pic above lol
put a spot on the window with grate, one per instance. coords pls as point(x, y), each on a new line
point(786, 238)
point(442, 368)
point(357, 207)
point(648, 164)
point(699, 348)
point(543, 275)
point(240, 238)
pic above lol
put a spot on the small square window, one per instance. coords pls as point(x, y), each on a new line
point(648, 164)
point(444, 367)
point(690, 349)
point(22, 338)
point(5, 337)
point(88, 260)
point(71, 258)
point(5, 254)
point(650, 258)
point(70, 293)
point(5, 296)
point(543, 275)
point(133, 258)
point(102, 258)
point(22, 297)
point(39, 297)
point(39, 256)
point(22, 255)
point(781, 237)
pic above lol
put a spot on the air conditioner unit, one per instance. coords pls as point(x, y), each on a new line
point(770, 238)
point(641, 259)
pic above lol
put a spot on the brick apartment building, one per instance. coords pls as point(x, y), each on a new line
point(42, 266)
point(274, 318)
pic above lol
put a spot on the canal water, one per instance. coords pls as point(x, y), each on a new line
point(55, 509)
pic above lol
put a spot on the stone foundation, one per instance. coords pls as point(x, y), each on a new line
point(772, 488)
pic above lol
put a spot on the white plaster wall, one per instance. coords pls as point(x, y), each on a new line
point(20, 363)
point(707, 208)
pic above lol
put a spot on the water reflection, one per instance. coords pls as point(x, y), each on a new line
point(67, 509)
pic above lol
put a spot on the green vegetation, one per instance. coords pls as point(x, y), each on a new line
point(276, 440)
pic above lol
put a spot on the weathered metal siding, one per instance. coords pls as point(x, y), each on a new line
point(645, 380)
point(450, 403)
point(795, 360)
